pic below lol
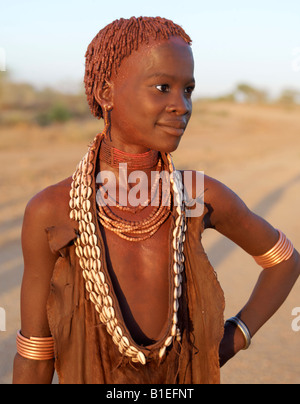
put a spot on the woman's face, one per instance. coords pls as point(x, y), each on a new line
point(151, 97)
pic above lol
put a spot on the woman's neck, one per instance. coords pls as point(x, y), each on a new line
point(113, 157)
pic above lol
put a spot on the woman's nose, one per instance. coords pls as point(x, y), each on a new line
point(180, 105)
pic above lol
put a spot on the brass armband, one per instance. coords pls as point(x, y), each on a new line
point(281, 251)
point(36, 348)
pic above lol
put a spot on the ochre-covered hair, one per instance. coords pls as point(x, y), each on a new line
point(116, 41)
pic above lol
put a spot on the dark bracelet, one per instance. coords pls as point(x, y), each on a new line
point(243, 328)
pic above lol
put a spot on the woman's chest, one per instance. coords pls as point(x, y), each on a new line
point(141, 278)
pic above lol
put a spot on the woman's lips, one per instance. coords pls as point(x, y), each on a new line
point(175, 128)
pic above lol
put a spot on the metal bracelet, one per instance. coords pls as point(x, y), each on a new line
point(243, 328)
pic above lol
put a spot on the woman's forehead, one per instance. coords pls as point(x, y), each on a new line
point(156, 58)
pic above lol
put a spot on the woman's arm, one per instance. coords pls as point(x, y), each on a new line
point(231, 217)
point(272, 288)
point(38, 267)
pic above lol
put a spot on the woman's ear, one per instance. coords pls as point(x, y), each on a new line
point(104, 96)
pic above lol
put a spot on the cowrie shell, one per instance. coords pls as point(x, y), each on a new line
point(175, 232)
point(80, 215)
point(89, 286)
point(125, 342)
point(168, 341)
point(73, 214)
point(175, 318)
point(178, 209)
point(83, 166)
point(118, 332)
point(177, 280)
point(180, 248)
point(84, 238)
point(72, 203)
point(121, 348)
point(91, 156)
point(110, 328)
point(73, 192)
point(178, 221)
point(79, 251)
point(141, 357)
point(86, 206)
point(162, 352)
point(99, 277)
point(82, 262)
point(179, 291)
point(97, 265)
point(82, 226)
point(103, 319)
point(175, 244)
point(90, 168)
point(87, 252)
point(96, 252)
point(177, 268)
point(98, 308)
point(92, 274)
point(115, 340)
point(108, 312)
point(89, 264)
point(79, 202)
point(88, 217)
point(86, 192)
point(93, 240)
point(91, 228)
point(97, 290)
point(94, 297)
point(132, 350)
point(87, 180)
point(173, 330)
point(107, 300)
point(104, 289)
point(175, 187)
point(178, 198)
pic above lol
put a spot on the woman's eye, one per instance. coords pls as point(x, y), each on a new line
point(163, 88)
point(189, 90)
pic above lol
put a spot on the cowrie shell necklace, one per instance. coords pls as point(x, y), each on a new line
point(88, 250)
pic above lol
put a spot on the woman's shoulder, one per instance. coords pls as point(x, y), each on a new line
point(51, 205)
point(221, 202)
point(200, 185)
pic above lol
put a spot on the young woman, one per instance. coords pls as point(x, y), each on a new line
point(117, 288)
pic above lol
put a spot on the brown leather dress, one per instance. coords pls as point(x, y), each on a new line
point(85, 352)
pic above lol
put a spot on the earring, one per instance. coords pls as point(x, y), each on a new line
point(107, 121)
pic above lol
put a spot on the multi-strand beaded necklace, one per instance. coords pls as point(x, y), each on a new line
point(97, 279)
point(137, 230)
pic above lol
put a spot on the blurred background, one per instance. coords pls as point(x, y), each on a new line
point(245, 131)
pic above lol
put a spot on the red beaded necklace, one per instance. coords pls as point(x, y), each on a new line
point(113, 157)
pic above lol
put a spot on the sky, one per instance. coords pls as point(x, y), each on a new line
point(234, 41)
